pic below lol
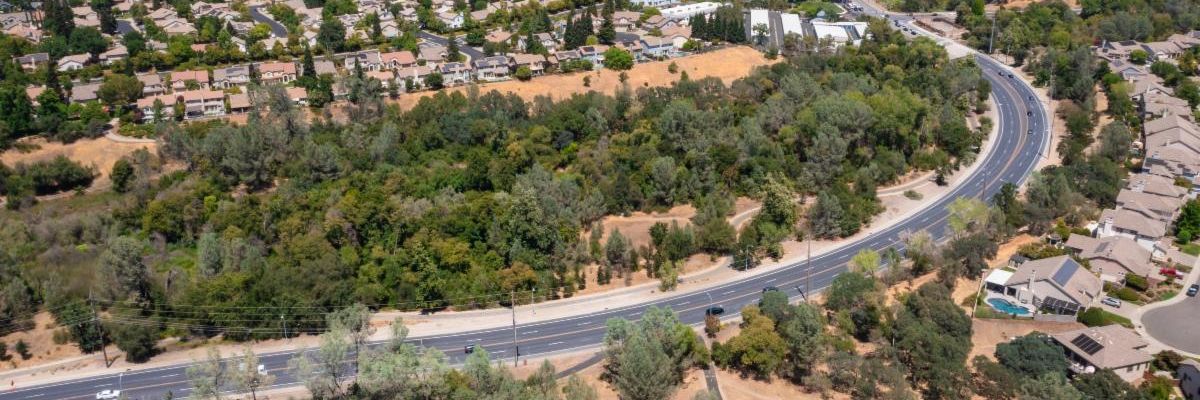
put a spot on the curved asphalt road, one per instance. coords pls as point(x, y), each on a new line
point(1012, 159)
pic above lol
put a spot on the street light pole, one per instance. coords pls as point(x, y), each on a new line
point(808, 271)
point(516, 350)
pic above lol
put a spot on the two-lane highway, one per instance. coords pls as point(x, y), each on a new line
point(1011, 159)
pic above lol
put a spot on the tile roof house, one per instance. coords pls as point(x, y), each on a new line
point(398, 59)
point(1132, 224)
point(369, 60)
point(457, 73)
point(74, 62)
point(1154, 184)
point(176, 26)
point(203, 103)
point(32, 61)
point(1189, 379)
point(276, 73)
point(1112, 347)
point(625, 21)
point(179, 79)
point(498, 36)
point(228, 77)
point(83, 93)
point(298, 95)
point(386, 78)
point(595, 53)
point(1161, 51)
point(152, 84)
point(491, 69)
point(432, 54)
point(1120, 48)
point(1055, 285)
point(657, 47)
point(416, 74)
point(239, 103)
point(1112, 257)
point(535, 62)
point(116, 53)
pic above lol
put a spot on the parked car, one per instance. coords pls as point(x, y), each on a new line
point(1172, 273)
point(1192, 290)
point(108, 394)
point(714, 310)
point(1111, 302)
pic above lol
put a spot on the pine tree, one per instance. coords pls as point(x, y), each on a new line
point(58, 18)
point(108, 22)
point(452, 53)
point(608, 31)
point(52, 83)
point(533, 45)
point(310, 68)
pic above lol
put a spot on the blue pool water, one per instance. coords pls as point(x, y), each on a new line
point(1007, 307)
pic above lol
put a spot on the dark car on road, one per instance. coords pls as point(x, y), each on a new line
point(1192, 290)
point(714, 310)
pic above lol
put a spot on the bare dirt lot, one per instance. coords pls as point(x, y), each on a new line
point(987, 333)
point(99, 153)
point(727, 64)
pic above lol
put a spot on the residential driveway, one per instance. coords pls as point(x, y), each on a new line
point(1176, 325)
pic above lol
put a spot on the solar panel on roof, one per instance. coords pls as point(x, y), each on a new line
point(1065, 271)
point(1087, 344)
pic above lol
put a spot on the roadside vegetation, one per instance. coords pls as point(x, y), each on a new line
point(414, 210)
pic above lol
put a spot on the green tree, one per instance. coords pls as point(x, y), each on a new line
point(1051, 386)
point(208, 376)
point(22, 349)
point(119, 91)
point(1187, 224)
point(645, 370)
point(246, 376)
point(121, 175)
point(331, 35)
point(1032, 356)
point(617, 59)
point(865, 262)
point(137, 338)
point(123, 268)
point(758, 349)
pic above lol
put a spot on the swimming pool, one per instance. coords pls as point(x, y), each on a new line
point(1007, 307)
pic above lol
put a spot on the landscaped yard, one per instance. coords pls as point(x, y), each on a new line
point(1096, 316)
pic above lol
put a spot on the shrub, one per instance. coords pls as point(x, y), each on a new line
point(22, 349)
point(1126, 294)
point(49, 177)
point(912, 194)
point(523, 73)
point(1137, 282)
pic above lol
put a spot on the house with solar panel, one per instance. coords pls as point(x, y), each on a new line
point(1055, 285)
point(1113, 347)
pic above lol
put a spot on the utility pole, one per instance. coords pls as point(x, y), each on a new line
point(512, 298)
point(96, 324)
point(284, 323)
point(808, 271)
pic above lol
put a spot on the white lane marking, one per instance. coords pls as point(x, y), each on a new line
point(168, 376)
point(770, 280)
point(583, 323)
point(556, 343)
point(683, 303)
point(728, 292)
point(531, 332)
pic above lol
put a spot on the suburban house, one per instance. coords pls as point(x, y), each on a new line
point(276, 73)
point(115, 54)
point(565, 56)
point(74, 62)
point(490, 69)
point(1055, 285)
point(1162, 51)
point(298, 95)
point(1120, 49)
point(432, 54)
point(228, 77)
point(1112, 257)
point(203, 103)
point(547, 41)
point(1162, 208)
point(83, 93)
point(535, 62)
point(1172, 143)
point(1161, 105)
point(1133, 224)
point(32, 61)
point(386, 78)
point(398, 59)
point(152, 84)
point(180, 79)
point(1112, 347)
point(625, 21)
point(147, 106)
point(415, 74)
point(657, 47)
point(498, 36)
point(453, 20)
point(595, 53)
point(457, 73)
point(239, 103)
point(1189, 379)
point(368, 60)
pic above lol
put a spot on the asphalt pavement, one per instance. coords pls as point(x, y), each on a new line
point(1012, 158)
point(277, 29)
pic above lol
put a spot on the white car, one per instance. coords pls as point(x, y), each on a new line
point(262, 369)
point(108, 394)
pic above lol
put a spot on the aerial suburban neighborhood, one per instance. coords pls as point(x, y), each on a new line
point(600, 199)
